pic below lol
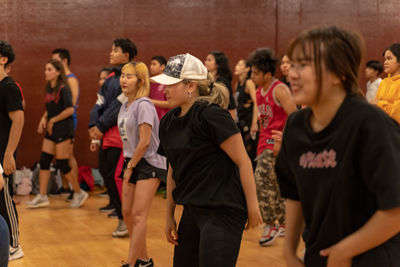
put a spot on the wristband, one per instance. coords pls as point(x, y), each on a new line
point(95, 141)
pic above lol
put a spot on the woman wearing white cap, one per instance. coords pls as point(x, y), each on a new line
point(209, 171)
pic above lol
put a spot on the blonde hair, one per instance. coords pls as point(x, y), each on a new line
point(213, 93)
point(142, 74)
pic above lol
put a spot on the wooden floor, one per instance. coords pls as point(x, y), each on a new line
point(59, 236)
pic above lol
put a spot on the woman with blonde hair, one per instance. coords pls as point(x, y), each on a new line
point(209, 173)
point(143, 167)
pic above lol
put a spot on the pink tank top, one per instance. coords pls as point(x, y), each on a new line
point(271, 116)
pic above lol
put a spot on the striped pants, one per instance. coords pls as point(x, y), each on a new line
point(8, 210)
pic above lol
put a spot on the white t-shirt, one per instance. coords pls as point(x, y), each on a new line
point(372, 88)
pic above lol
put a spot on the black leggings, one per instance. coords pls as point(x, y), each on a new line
point(209, 237)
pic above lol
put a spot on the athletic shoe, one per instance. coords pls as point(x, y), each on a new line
point(61, 191)
point(104, 194)
point(121, 230)
point(78, 199)
point(113, 214)
point(269, 235)
point(70, 196)
point(108, 208)
point(15, 253)
point(281, 230)
point(38, 201)
point(140, 263)
point(126, 265)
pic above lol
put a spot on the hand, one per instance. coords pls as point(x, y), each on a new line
point(95, 133)
point(127, 174)
point(42, 125)
point(336, 257)
point(170, 231)
point(94, 147)
point(9, 164)
point(49, 127)
point(254, 217)
point(254, 128)
point(277, 136)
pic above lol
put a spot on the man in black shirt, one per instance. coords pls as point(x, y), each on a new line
point(12, 122)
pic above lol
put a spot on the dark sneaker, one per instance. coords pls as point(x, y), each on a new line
point(61, 192)
point(108, 208)
point(113, 214)
point(140, 263)
point(269, 235)
point(104, 194)
point(70, 196)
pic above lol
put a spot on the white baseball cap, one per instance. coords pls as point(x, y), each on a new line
point(181, 67)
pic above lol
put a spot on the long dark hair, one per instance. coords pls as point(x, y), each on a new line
point(222, 62)
point(340, 50)
point(61, 79)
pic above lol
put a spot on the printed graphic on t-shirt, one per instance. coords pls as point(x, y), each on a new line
point(324, 159)
point(122, 129)
point(266, 114)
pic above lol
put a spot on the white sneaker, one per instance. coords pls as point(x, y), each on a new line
point(15, 253)
point(79, 199)
point(269, 235)
point(281, 230)
point(121, 230)
point(38, 201)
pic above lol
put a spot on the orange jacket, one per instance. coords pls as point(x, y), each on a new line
point(388, 96)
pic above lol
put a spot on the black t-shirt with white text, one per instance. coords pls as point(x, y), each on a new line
point(10, 100)
point(205, 176)
point(342, 175)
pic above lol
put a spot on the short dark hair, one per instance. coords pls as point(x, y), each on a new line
point(106, 69)
point(127, 46)
point(375, 65)
point(395, 49)
point(64, 54)
point(160, 60)
point(264, 59)
point(7, 51)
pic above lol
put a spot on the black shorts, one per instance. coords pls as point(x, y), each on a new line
point(144, 171)
point(59, 138)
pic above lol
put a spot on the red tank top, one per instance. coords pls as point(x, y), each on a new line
point(271, 116)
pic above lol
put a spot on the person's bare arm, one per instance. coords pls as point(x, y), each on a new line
point(74, 86)
point(170, 226)
point(234, 148)
point(251, 90)
point(284, 97)
point(17, 118)
point(161, 103)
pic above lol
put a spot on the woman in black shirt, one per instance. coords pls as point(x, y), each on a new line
point(209, 171)
point(247, 110)
point(59, 126)
point(218, 65)
point(338, 166)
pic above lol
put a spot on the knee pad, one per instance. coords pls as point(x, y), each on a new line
point(63, 165)
point(45, 161)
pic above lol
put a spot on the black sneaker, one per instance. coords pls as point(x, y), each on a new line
point(108, 208)
point(61, 191)
point(70, 197)
point(140, 263)
point(113, 214)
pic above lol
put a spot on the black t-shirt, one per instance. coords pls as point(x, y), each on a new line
point(232, 104)
point(204, 174)
point(342, 175)
point(56, 102)
point(10, 100)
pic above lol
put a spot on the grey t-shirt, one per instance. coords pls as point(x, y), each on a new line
point(130, 118)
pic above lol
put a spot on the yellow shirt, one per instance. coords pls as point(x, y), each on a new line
point(388, 96)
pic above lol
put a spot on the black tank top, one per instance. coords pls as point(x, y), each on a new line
point(244, 113)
